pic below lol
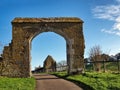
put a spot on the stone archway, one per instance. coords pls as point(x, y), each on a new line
point(25, 29)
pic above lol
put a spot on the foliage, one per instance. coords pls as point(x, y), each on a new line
point(60, 74)
point(98, 81)
point(17, 83)
point(112, 66)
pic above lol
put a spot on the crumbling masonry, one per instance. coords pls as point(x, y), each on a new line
point(17, 54)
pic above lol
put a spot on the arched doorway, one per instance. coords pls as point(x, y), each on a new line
point(57, 32)
point(25, 29)
point(45, 44)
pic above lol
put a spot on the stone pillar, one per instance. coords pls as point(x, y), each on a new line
point(70, 54)
point(78, 46)
point(20, 52)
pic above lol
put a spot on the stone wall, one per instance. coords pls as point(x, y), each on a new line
point(25, 29)
point(49, 64)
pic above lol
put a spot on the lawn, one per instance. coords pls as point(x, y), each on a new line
point(17, 83)
point(94, 81)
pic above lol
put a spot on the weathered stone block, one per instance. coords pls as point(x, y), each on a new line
point(17, 54)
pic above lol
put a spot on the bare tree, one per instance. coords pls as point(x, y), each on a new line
point(1, 45)
point(105, 57)
point(62, 64)
point(95, 56)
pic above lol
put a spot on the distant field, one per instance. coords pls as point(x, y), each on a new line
point(97, 81)
point(17, 83)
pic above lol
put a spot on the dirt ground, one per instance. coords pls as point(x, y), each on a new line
point(51, 82)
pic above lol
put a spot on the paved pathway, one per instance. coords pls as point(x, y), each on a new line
point(50, 82)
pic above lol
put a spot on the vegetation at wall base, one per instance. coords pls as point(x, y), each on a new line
point(94, 80)
point(17, 83)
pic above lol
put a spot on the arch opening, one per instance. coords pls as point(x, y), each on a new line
point(48, 44)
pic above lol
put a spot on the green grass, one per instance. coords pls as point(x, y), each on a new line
point(110, 67)
point(96, 81)
point(17, 83)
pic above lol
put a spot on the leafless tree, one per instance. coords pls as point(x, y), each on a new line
point(105, 57)
point(95, 56)
point(62, 64)
point(1, 48)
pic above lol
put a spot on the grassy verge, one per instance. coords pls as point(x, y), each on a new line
point(17, 83)
point(94, 81)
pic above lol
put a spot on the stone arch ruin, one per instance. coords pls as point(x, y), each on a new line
point(25, 29)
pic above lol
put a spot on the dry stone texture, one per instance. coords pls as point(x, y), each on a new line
point(17, 54)
point(49, 64)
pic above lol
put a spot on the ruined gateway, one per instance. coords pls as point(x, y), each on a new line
point(18, 56)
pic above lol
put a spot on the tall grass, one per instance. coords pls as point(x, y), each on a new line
point(17, 83)
point(97, 81)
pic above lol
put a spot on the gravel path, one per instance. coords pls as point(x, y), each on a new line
point(51, 82)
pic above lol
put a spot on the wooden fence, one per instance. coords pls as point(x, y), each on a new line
point(111, 66)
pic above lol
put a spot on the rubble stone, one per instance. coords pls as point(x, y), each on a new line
point(17, 54)
point(49, 64)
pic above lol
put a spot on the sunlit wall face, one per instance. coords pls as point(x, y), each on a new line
point(47, 43)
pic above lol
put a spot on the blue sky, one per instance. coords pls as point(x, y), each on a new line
point(101, 24)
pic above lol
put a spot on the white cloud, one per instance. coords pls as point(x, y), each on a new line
point(118, 0)
point(111, 32)
point(118, 19)
point(111, 13)
point(116, 26)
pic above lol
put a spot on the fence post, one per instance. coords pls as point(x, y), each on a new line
point(85, 63)
point(118, 66)
point(104, 68)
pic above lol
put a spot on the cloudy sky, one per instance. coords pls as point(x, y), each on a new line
point(101, 25)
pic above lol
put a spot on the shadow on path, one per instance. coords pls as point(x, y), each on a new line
point(51, 82)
